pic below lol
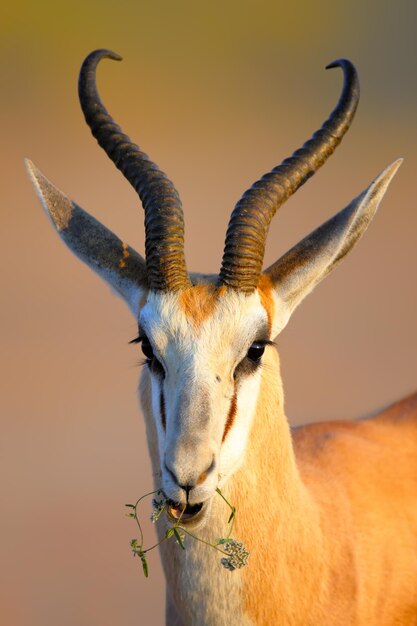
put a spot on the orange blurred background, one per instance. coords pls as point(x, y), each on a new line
point(217, 94)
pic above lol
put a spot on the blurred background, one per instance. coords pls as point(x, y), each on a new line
point(217, 94)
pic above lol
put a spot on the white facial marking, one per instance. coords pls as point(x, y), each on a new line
point(233, 448)
point(199, 356)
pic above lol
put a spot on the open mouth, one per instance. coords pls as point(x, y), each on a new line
point(177, 511)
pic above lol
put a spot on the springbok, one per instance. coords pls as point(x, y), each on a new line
point(329, 511)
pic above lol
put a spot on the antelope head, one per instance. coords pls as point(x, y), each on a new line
point(206, 338)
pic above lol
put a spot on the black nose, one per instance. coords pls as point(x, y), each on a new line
point(187, 489)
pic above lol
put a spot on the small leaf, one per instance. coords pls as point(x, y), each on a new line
point(132, 506)
point(219, 541)
point(232, 514)
point(179, 538)
point(169, 533)
point(144, 565)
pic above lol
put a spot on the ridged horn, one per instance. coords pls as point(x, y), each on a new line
point(249, 223)
point(164, 220)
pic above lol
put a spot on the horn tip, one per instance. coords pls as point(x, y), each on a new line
point(102, 53)
point(340, 63)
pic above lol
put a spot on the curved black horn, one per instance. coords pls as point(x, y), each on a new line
point(249, 223)
point(164, 221)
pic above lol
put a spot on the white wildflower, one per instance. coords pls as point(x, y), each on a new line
point(158, 506)
point(238, 555)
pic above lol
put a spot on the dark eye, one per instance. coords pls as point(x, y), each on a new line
point(256, 351)
point(151, 360)
point(147, 348)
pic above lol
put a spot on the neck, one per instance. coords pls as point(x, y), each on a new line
point(276, 520)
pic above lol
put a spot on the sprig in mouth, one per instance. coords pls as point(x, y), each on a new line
point(234, 552)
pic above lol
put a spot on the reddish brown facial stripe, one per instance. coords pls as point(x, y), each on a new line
point(162, 409)
point(231, 416)
point(265, 289)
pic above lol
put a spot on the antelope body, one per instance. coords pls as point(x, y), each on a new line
point(329, 511)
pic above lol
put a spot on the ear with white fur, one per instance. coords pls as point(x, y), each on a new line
point(114, 261)
point(296, 273)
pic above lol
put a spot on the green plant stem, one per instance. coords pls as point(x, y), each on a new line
point(232, 508)
point(212, 545)
point(176, 525)
point(231, 526)
point(150, 493)
point(154, 546)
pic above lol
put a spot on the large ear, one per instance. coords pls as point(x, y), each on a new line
point(296, 273)
point(116, 262)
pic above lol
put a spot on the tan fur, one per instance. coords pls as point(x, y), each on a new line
point(125, 255)
point(198, 302)
point(328, 513)
point(330, 517)
point(266, 294)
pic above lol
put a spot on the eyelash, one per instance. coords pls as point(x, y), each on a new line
point(249, 365)
point(137, 339)
point(150, 359)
